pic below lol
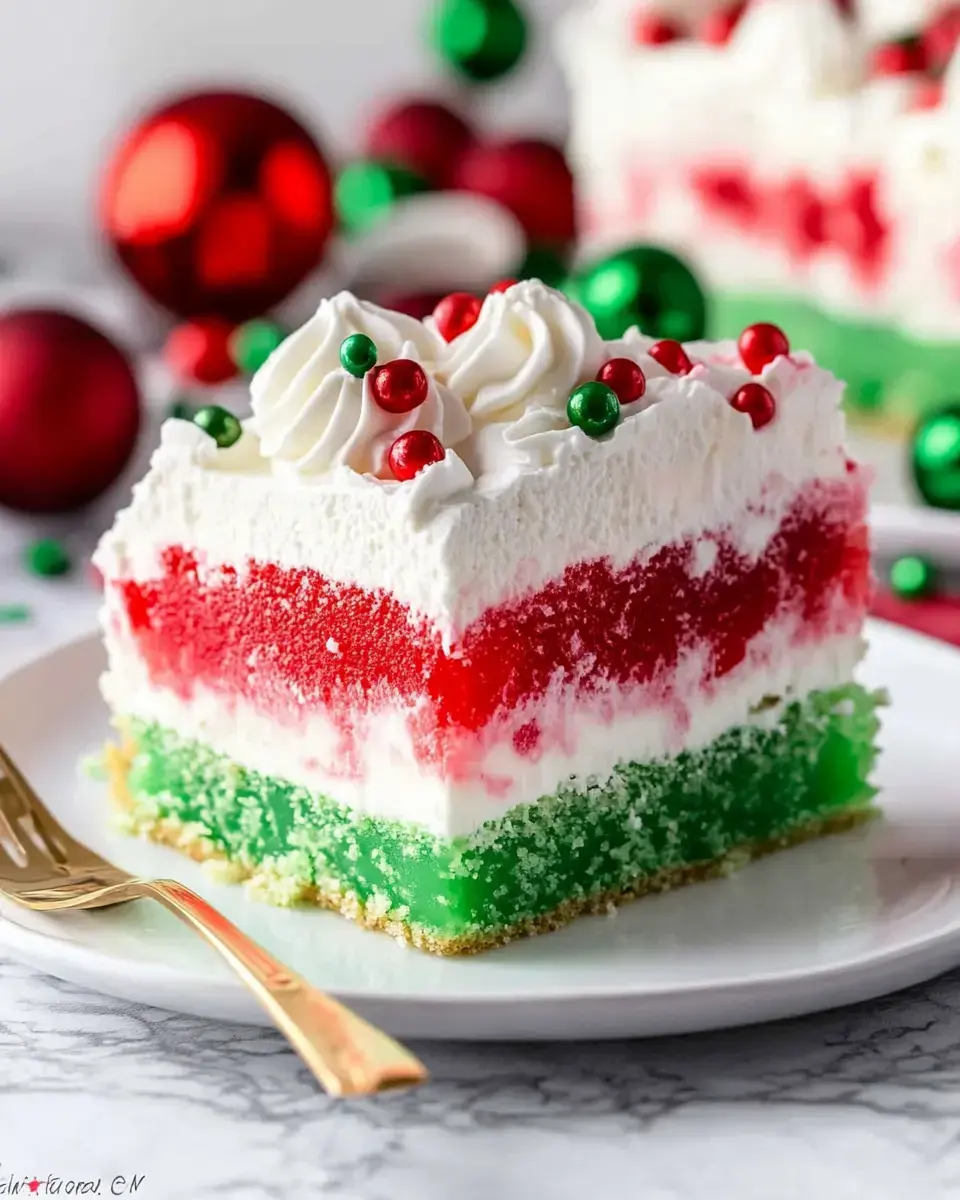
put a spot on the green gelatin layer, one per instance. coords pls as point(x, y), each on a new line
point(891, 377)
point(797, 771)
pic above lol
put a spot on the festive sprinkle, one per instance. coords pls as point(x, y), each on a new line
point(912, 577)
point(594, 408)
point(757, 402)
point(358, 354)
point(14, 614)
point(47, 558)
point(413, 451)
point(400, 386)
point(221, 425)
point(252, 344)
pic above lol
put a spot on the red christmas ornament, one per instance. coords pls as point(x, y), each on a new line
point(671, 354)
point(456, 313)
point(652, 29)
point(898, 58)
point(941, 36)
point(757, 402)
point(421, 135)
point(413, 451)
point(219, 203)
point(504, 285)
point(717, 27)
point(623, 376)
point(69, 411)
point(530, 178)
point(198, 351)
point(399, 386)
point(760, 344)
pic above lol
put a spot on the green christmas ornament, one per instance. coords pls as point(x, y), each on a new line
point(221, 425)
point(252, 343)
point(544, 264)
point(358, 354)
point(366, 190)
point(642, 286)
point(481, 39)
point(912, 577)
point(47, 557)
point(935, 458)
point(593, 407)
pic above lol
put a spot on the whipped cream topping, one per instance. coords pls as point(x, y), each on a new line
point(497, 398)
point(312, 416)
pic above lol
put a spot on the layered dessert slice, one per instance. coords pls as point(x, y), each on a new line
point(481, 623)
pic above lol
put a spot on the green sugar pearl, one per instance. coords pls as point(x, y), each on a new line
point(935, 455)
point(912, 577)
point(221, 425)
point(47, 557)
point(593, 407)
point(252, 344)
point(358, 354)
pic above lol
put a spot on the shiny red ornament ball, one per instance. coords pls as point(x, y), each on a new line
point(425, 137)
point(399, 386)
point(672, 356)
point(504, 285)
point(941, 36)
point(654, 29)
point(717, 27)
point(760, 344)
point(623, 376)
point(198, 351)
point(220, 203)
point(413, 451)
point(531, 179)
point(903, 57)
point(757, 402)
point(456, 313)
point(69, 411)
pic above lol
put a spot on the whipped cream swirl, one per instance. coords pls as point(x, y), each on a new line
point(529, 348)
point(312, 416)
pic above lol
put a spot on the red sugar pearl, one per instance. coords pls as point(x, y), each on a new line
point(761, 344)
point(504, 285)
point(717, 27)
point(456, 313)
point(624, 377)
point(399, 386)
point(671, 354)
point(757, 402)
point(413, 451)
point(898, 58)
point(651, 29)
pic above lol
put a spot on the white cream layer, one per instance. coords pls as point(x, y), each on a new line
point(788, 97)
point(384, 779)
point(683, 462)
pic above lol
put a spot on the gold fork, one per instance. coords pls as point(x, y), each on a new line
point(45, 869)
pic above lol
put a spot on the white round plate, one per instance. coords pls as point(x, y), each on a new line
point(828, 923)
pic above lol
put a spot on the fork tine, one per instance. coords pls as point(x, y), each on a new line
point(8, 832)
point(58, 843)
point(17, 834)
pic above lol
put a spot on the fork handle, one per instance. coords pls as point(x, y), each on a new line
point(346, 1054)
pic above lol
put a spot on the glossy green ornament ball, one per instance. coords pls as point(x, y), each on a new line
point(935, 458)
point(358, 354)
point(221, 425)
point(47, 557)
point(912, 577)
point(366, 190)
point(593, 407)
point(481, 39)
point(643, 286)
point(252, 343)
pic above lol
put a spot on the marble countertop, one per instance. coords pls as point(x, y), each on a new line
point(859, 1103)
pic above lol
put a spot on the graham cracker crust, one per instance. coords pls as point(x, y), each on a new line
point(262, 884)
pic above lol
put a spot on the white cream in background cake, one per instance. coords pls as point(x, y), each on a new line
point(803, 156)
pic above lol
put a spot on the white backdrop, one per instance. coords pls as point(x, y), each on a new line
point(75, 72)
